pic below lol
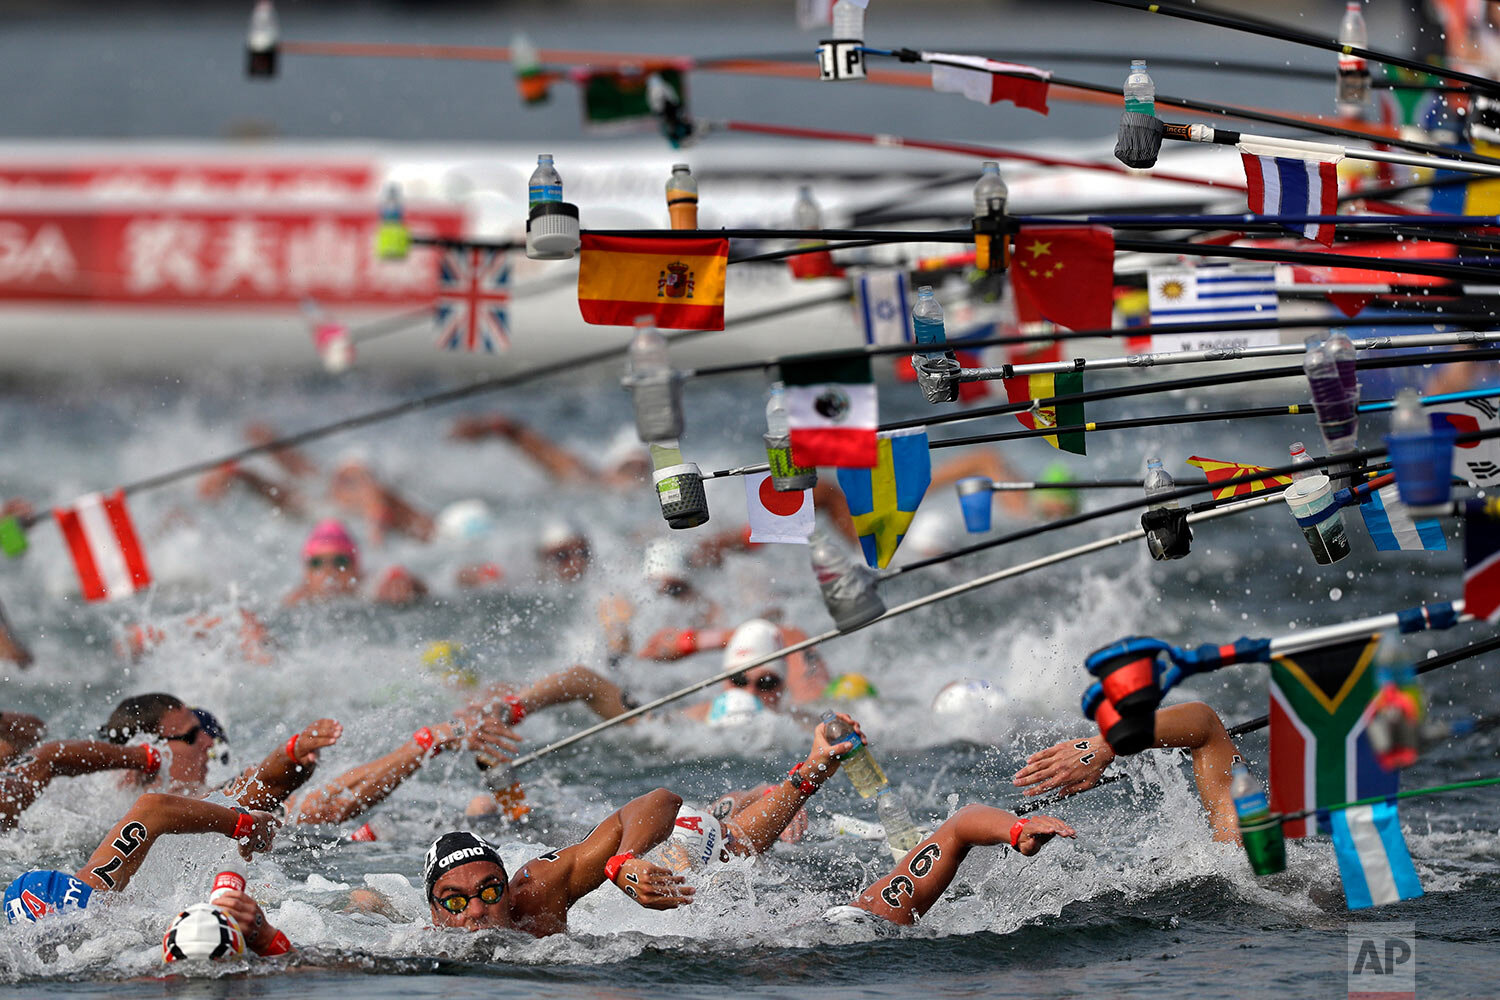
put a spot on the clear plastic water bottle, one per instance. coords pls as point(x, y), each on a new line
point(1332, 401)
point(1344, 356)
point(786, 475)
point(848, 20)
point(1140, 89)
point(1159, 480)
point(990, 192)
point(1259, 830)
point(1301, 457)
point(263, 39)
point(654, 389)
point(1407, 416)
point(848, 587)
point(545, 184)
point(864, 774)
point(805, 212)
point(900, 832)
point(1353, 92)
point(927, 321)
point(682, 197)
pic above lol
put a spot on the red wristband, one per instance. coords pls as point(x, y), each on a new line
point(279, 946)
point(803, 785)
point(1015, 833)
point(423, 738)
point(243, 826)
point(517, 709)
point(153, 758)
point(687, 642)
point(291, 748)
point(612, 866)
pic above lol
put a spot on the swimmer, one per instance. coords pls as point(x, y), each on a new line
point(141, 640)
point(668, 569)
point(800, 677)
point(355, 488)
point(1073, 766)
point(19, 732)
point(467, 886)
point(12, 649)
point(626, 464)
point(331, 570)
point(198, 933)
point(24, 779)
point(563, 553)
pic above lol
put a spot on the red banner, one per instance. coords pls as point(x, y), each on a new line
point(207, 180)
point(194, 256)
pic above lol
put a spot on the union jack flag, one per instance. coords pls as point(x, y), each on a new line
point(473, 293)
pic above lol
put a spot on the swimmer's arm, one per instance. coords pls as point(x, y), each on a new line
point(806, 676)
point(675, 643)
point(555, 460)
point(269, 783)
point(829, 499)
point(19, 732)
point(158, 814)
point(755, 828)
point(22, 784)
point(637, 827)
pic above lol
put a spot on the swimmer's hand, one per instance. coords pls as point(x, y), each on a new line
point(824, 758)
point(1038, 830)
point(1067, 768)
point(261, 834)
point(323, 733)
point(480, 732)
point(247, 913)
point(654, 887)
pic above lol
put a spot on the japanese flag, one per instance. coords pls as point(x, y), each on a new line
point(104, 546)
point(777, 517)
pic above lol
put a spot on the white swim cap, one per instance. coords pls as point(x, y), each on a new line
point(666, 560)
point(465, 520)
point(697, 840)
point(752, 640)
point(558, 532)
point(734, 708)
point(969, 698)
point(202, 932)
point(932, 532)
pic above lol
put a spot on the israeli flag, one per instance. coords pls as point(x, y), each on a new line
point(882, 306)
point(1373, 861)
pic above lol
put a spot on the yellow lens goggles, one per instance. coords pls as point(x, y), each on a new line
point(458, 902)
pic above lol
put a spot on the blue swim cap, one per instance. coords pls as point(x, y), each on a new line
point(38, 893)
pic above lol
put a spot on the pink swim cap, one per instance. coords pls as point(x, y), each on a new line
point(329, 537)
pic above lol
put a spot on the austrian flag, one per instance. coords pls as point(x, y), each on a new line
point(1293, 185)
point(104, 546)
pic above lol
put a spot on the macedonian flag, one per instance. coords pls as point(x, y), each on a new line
point(1218, 471)
point(677, 282)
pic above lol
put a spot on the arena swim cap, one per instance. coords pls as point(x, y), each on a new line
point(850, 687)
point(330, 537)
point(733, 707)
point(454, 850)
point(202, 932)
point(38, 893)
point(697, 840)
point(464, 521)
point(752, 640)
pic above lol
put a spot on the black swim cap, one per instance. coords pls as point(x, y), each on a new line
point(453, 850)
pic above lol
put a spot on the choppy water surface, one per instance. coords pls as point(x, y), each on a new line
point(1141, 904)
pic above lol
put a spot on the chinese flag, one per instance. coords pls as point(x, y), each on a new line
point(1065, 274)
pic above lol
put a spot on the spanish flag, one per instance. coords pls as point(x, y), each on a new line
point(679, 283)
point(1217, 471)
point(1034, 387)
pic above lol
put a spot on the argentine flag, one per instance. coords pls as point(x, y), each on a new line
point(1372, 856)
point(1392, 527)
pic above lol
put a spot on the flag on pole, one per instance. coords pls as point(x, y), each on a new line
point(104, 546)
point(833, 411)
point(12, 537)
point(621, 100)
point(1295, 184)
point(883, 499)
point(1211, 293)
point(1065, 274)
point(988, 81)
point(473, 293)
point(882, 305)
point(1025, 388)
point(679, 283)
point(1482, 559)
point(777, 517)
point(1320, 752)
point(1374, 863)
point(1478, 461)
point(1217, 471)
point(1392, 528)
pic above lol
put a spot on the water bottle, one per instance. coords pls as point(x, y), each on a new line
point(1301, 457)
point(805, 212)
point(229, 878)
point(682, 197)
point(545, 184)
point(786, 475)
point(927, 321)
point(1344, 356)
point(654, 388)
point(864, 774)
point(1353, 91)
point(392, 238)
point(990, 192)
point(1259, 830)
point(1140, 89)
point(1332, 401)
point(848, 20)
point(900, 832)
point(1167, 535)
point(679, 486)
point(263, 41)
point(500, 778)
point(527, 64)
point(1159, 480)
point(848, 587)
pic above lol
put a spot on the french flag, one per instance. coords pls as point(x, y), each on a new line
point(1293, 185)
point(1482, 559)
point(104, 546)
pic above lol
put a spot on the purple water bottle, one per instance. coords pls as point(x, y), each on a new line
point(1333, 401)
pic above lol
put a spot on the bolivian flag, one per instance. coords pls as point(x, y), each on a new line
point(1218, 471)
point(1024, 388)
point(882, 500)
point(679, 283)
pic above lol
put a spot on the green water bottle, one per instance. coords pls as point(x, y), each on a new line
point(1259, 829)
point(864, 774)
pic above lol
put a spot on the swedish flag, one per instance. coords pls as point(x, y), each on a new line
point(883, 499)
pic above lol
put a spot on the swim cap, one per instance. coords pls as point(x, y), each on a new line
point(752, 640)
point(666, 560)
point(38, 893)
point(733, 708)
point(931, 533)
point(850, 687)
point(329, 537)
point(451, 661)
point(697, 839)
point(464, 520)
point(967, 698)
point(1065, 499)
point(202, 932)
point(454, 850)
point(558, 532)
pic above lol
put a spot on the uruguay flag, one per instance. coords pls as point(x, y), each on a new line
point(1373, 861)
point(1293, 185)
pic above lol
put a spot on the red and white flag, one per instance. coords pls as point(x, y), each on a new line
point(988, 81)
point(777, 517)
point(104, 546)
